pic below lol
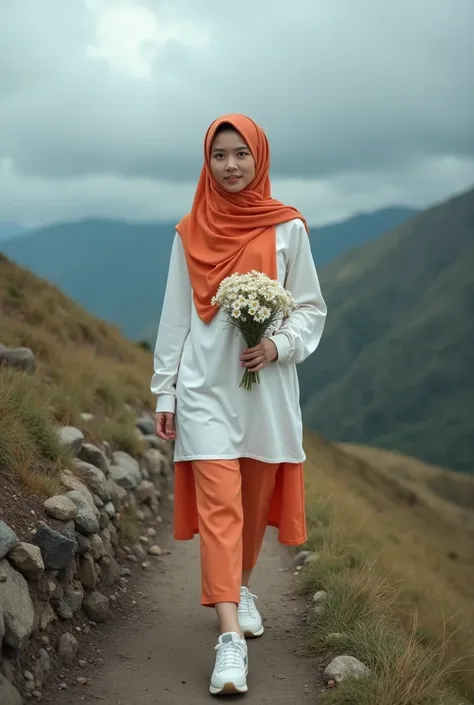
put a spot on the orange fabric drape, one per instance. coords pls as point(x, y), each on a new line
point(232, 232)
point(287, 509)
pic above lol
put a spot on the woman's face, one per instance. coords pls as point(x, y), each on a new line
point(232, 163)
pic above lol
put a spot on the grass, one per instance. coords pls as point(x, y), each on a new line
point(129, 527)
point(394, 598)
point(83, 365)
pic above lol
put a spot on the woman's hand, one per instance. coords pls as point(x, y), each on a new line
point(164, 425)
point(255, 359)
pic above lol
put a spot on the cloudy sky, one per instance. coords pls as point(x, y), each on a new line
point(104, 103)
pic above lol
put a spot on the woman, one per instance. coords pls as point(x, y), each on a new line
point(238, 453)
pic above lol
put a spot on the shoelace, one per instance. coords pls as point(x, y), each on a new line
point(246, 604)
point(229, 655)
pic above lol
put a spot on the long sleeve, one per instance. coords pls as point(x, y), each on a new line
point(173, 329)
point(300, 334)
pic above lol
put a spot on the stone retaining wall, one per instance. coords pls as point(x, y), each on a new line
point(77, 559)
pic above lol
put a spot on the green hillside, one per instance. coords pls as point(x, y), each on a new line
point(395, 365)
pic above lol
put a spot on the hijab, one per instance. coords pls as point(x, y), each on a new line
point(227, 232)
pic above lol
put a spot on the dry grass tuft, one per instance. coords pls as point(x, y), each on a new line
point(129, 527)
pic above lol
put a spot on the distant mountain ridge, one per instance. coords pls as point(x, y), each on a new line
point(394, 368)
point(117, 270)
point(7, 231)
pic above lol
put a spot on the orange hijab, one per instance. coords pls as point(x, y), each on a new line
point(232, 232)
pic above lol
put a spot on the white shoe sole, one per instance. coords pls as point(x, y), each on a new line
point(228, 689)
point(248, 634)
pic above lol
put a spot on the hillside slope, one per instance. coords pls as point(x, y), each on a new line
point(118, 270)
point(395, 364)
point(416, 523)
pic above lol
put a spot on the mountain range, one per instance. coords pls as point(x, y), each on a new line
point(394, 368)
point(117, 270)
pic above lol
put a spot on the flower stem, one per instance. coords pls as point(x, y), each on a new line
point(249, 379)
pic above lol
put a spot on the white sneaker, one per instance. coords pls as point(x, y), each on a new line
point(249, 617)
point(230, 672)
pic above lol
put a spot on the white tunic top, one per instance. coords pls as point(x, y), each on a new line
point(197, 369)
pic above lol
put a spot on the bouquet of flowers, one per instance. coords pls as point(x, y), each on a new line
point(253, 303)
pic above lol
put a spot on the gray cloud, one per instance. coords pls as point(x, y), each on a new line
point(364, 103)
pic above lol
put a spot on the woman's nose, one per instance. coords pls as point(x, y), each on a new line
point(231, 163)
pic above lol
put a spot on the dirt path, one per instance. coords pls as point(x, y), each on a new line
point(165, 655)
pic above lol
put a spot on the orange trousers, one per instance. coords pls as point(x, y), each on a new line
point(233, 502)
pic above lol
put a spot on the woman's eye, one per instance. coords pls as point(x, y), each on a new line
point(243, 154)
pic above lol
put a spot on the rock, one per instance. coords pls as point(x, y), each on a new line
point(67, 648)
point(110, 570)
point(68, 528)
point(155, 551)
point(93, 478)
point(86, 521)
point(145, 492)
point(93, 455)
point(20, 358)
point(155, 462)
point(319, 596)
point(96, 607)
point(83, 544)
point(139, 552)
point(98, 502)
point(104, 520)
point(63, 610)
point(42, 667)
point(74, 596)
point(118, 494)
point(125, 470)
point(60, 507)
point(311, 559)
point(301, 557)
point(46, 617)
point(57, 550)
point(71, 438)
point(16, 608)
point(72, 483)
point(86, 417)
point(319, 602)
point(87, 574)
point(96, 547)
point(8, 539)
point(110, 510)
point(343, 667)
point(58, 593)
point(27, 559)
point(146, 425)
point(8, 693)
point(114, 538)
point(106, 540)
